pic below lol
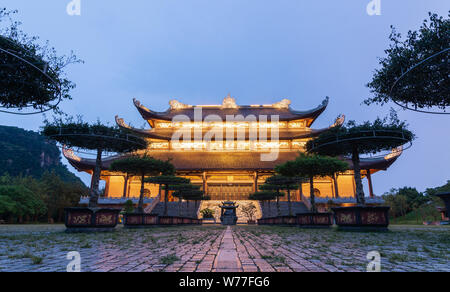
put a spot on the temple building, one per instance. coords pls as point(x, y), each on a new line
point(229, 149)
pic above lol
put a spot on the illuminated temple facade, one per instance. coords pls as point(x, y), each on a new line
point(224, 156)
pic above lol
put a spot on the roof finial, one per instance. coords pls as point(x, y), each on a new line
point(229, 102)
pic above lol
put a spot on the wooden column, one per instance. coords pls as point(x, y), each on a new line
point(369, 179)
point(205, 183)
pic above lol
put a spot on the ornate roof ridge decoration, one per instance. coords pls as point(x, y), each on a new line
point(229, 103)
point(176, 105)
point(340, 120)
point(284, 104)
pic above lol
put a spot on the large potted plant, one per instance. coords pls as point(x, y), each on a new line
point(311, 166)
point(96, 137)
point(353, 140)
point(141, 166)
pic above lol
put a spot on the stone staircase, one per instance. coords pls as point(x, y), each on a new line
point(242, 218)
point(297, 207)
point(173, 209)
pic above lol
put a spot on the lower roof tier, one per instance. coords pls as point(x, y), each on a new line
point(225, 161)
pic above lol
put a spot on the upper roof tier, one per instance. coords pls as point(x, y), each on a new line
point(281, 109)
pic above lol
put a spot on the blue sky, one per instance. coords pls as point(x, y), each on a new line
point(260, 51)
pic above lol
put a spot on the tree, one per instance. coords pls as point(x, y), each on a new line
point(278, 193)
point(31, 75)
point(367, 138)
point(167, 181)
point(22, 202)
point(415, 72)
point(311, 166)
point(97, 137)
point(142, 167)
point(285, 183)
point(182, 191)
point(264, 196)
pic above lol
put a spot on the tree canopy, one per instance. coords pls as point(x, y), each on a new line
point(415, 71)
point(32, 75)
point(367, 138)
point(93, 136)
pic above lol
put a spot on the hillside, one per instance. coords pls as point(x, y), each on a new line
point(28, 153)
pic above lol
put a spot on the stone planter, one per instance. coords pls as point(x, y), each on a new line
point(91, 219)
point(251, 222)
point(362, 217)
point(319, 220)
point(139, 220)
point(168, 220)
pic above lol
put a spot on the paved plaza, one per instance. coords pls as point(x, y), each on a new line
point(43, 248)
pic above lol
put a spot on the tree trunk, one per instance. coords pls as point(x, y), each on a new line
point(289, 201)
point(270, 208)
point(336, 187)
point(357, 170)
point(278, 203)
point(140, 207)
point(179, 206)
point(312, 197)
point(166, 198)
point(94, 192)
point(125, 186)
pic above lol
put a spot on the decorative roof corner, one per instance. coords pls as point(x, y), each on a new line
point(69, 154)
point(229, 103)
point(121, 123)
point(339, 121)
point(395, 153)
point(284, 104)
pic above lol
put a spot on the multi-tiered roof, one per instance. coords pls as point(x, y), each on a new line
point(293, 129)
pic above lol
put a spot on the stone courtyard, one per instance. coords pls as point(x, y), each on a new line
point(44, 248)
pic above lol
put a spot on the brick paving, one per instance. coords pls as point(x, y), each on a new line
point(44, 248)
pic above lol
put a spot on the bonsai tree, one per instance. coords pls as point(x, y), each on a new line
point(32, 76)
point(311, 166)
point(181, 191)
point(414, 73)
point(142, 167)
point(97, 137)
point(278, 193)
point(366, 138)
point(285, 183)
point(207, 213)
point(249, 210)
point(167, 180)
point(128, 207)
point(264, 196)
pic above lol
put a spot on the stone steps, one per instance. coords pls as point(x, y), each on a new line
point(297, 207)
point(173, 209)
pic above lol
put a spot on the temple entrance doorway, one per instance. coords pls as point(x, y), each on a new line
point(230, 191)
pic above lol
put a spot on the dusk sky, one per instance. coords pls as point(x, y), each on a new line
point(259, 51)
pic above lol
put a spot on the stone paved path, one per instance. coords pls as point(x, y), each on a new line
point(215, 248)
point(227, 258)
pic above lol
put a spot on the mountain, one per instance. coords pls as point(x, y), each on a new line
point(28, 153)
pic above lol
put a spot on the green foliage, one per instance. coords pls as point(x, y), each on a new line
point(27, 153)
point(284, 182)
point(207, 213)
point(20, 202)
point(263, 196)
point(28, 197)
point(142, 166)
point(312, 166)
point(94, 136)
point(128, 207)
point(425, 86)
point(367, 138)
point(21, 85)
